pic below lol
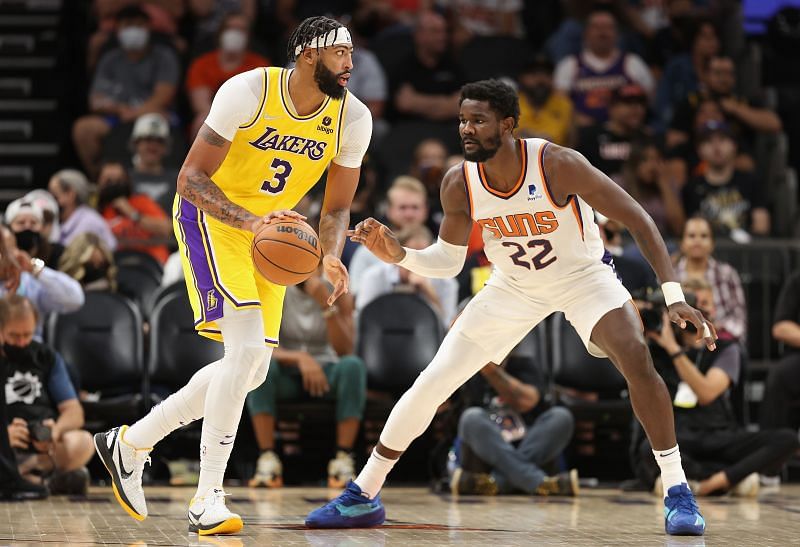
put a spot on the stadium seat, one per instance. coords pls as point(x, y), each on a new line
point(139, 283)
point(162, 292)
point(398, 335)
point(104, 342)
point(130, 257)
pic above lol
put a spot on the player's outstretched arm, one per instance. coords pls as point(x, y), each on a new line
point(568, 173)
point(194, 180)
point(445, 258)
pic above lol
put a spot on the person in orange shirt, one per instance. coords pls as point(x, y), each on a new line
point(209, 71)
point(137, 221)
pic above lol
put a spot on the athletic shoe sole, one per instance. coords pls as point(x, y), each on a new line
point(227, 526)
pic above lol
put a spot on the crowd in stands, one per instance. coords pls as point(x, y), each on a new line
point(647, 91)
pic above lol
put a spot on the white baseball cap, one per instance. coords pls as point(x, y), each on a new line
point(151, 125)
point(21, 205)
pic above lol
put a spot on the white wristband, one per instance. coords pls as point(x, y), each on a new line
point(672, 292)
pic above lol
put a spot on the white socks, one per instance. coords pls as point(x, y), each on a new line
point(671, 470)
point(371, 478)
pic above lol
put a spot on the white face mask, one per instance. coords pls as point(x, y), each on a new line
point(233, 40)
point(133, 38)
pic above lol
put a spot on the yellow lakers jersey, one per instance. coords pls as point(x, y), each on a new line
point(278, 156)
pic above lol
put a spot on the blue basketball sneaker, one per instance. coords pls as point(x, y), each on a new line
point(351, 509)
point(681, 514)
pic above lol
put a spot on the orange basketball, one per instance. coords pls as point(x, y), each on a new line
point(286, 252)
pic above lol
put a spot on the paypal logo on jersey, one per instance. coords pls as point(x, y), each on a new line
point(272, 140)
point(532, 193)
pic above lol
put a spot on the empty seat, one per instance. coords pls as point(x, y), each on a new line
point(139, 283)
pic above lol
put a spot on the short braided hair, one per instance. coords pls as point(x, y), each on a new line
point(307, 30)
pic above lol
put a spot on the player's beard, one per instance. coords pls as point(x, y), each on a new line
point(485, 151)
point(328, 81)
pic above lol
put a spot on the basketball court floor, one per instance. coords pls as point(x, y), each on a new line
point(415, 518)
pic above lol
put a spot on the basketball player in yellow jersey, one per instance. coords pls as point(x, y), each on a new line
point(270, 135)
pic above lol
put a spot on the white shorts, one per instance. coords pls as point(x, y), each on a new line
point(501, 314)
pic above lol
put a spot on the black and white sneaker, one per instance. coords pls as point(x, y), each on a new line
point(209, 515)
point(125, 464)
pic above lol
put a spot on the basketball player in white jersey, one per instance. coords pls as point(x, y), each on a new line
point(535, 202)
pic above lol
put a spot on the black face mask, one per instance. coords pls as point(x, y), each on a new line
point(17, 354)
point(28, 240)
point(111, 191)
point(93, 273)
point(538, 94)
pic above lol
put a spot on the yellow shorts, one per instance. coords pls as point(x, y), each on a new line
point(218, 266)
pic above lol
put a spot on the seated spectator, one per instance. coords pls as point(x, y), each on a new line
point(90, 262)
point(682, 72)
point(150, 175)
point(209, 71)
point(207, 17)
point(428, 167)
point(407, 208)
point(650, 182)
point(49, 290)
point(731, 200)
point(744, 117)
point(543, 111)
point(696, 263)
point(591, 76)
point(608, 145)
point(135, 78)
point(429, 85)
point(51, 227)
point(46, 416)
point(136, 220)
point(509, 434)
point(384, 278)
point(26, 219)
point(485, 18)
point(783, 382)
point(71, 190)
point(315, 357)
point(715, 448)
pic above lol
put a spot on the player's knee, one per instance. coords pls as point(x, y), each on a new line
point(262, 373)
point(633, 357)
point(471, 420)
point(352, 369)
point(562, 418)
point(245, 361)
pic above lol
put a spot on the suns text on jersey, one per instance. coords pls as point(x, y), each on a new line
point(520, 224)
point(272, 140)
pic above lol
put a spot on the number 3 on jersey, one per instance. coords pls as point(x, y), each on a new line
point(281, 171)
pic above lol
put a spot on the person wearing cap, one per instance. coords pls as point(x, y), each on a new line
point(601, 67)
point(209, 71)
point(71, 190)
point(543, 111)
point(732, 200)
point(51, 227)
point(150, 142)
point(26, 219)
point(608, 145)
point(134, 78)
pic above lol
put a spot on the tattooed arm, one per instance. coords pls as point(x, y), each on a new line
point(195, 185)
point(333, 223)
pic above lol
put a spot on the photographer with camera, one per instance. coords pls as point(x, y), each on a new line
point(45, 414)
point(716, 449)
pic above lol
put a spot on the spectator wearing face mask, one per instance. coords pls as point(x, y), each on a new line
point(51, 227)
point(135, 78)
point(26, 219)
point(90, 262)
point(543, 111)
point(49, 290)
point(208, 72)
point(135, 219)
point(71, 190)
point(150, 174)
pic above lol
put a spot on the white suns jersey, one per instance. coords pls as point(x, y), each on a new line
point(531, 240)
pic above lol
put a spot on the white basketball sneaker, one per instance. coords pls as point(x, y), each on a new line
point(208, 515)
point(125, 464)
point(269, 471)
point(340, 470)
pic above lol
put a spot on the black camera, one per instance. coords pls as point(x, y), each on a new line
point(39, 432)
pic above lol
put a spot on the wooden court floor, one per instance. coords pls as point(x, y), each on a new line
point(415, 518)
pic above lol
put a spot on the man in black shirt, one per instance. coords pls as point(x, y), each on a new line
point(514, 432)
point(783, 383)
point(717, 450)
point(428, 86)
point(731, 200)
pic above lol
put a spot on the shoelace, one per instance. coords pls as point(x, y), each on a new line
point(686, 503)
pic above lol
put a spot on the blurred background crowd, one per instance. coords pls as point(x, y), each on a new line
point(689, 105)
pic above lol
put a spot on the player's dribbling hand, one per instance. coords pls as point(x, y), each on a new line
point(274, 216)
point(681, 313)
point(379, 239)
point(336, 272)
